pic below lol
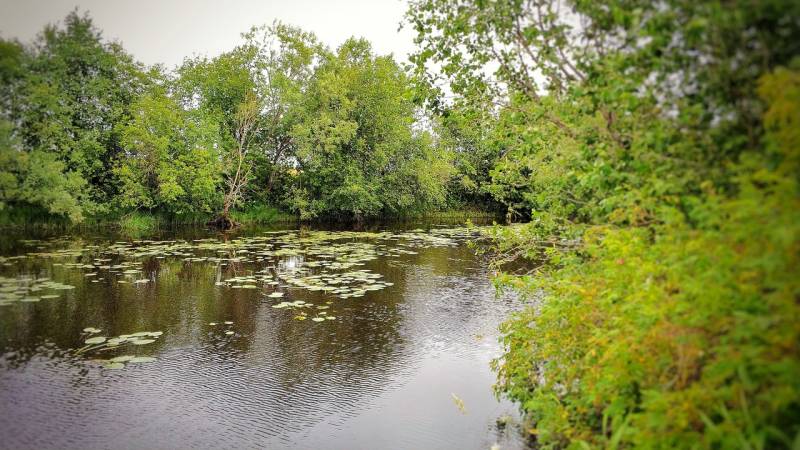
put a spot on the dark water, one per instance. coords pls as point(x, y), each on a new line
point(389, 371)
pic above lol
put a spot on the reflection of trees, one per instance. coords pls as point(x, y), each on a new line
point(326, 367)
point(283, 368)
point(178, 293)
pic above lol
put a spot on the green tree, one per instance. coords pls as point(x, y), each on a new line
point(170, 160)
point(285, 58)
point(37, 178)
point(358, 152)
point(65, 95)
point(662, 236)
point(252, 92)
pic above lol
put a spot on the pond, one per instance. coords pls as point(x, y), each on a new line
point(260, 338)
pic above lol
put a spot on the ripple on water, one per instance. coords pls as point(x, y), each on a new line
point(381, 375)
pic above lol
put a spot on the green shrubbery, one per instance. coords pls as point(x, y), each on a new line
point(137, 224)
point(654, 149)
point(675, 336)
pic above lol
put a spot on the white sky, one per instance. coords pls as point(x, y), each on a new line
point(166, 31)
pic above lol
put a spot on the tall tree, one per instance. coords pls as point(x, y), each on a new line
point(357, 143)
point(252, 92)
point(64, 96)
point(170, 160)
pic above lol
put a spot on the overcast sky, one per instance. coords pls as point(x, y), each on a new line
point(165, 31)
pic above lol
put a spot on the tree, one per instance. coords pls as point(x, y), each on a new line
point(662, 232)
point(252, 91)
point(65, 96)
point(285, 58)
point(170, 160)
point(37, 178)
point(358, 152)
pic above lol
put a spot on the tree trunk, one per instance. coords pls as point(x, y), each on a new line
point(222, 222)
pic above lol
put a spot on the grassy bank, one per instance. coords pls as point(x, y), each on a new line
point(143, 222)
point(262, 214)
point(139, 223)
point(450, 214)
point(135, 222)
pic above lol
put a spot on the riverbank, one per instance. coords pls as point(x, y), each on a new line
point(141, 222)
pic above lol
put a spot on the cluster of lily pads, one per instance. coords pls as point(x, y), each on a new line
point(344, 285)
point(127, 271)
point(29, 289)
point(102, 343)
point(317, 261)
point(321, 315)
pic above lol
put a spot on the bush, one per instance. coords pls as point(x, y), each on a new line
point(678, 335)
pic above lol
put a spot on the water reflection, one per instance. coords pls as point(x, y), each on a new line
point(380, 375)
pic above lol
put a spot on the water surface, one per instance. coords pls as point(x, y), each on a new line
point(260, 338)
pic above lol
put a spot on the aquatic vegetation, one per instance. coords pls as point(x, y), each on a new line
point(103, 343)
point(98, 344)
point(138, 224)
point(29, 289)
point(294, 304)
point(275, 265)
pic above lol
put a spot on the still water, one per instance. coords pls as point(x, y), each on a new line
point(261, 338)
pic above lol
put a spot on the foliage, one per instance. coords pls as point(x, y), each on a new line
point(64, 95)
point(464, 133)
point(689, 337)
point(252, 92)
point(357, 151)
point(278, 120)
point(170, 160)
point(260, 214)
point(137, 224)
point(37, 178)
point(662, 242)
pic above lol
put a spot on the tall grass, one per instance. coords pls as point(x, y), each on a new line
point(137, 223)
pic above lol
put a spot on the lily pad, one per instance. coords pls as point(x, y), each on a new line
point(95, 340)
